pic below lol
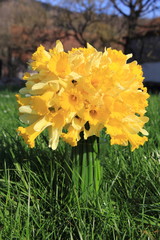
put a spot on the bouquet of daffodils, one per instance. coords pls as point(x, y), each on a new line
point(68, 90)
point(77, 94)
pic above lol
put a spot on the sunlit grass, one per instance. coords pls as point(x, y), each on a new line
point(32, 206)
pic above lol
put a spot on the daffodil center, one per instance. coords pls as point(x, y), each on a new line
point(93, 113)
point(94, 82)
point(73, 98)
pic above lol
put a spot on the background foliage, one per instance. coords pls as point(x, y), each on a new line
point(25, 24)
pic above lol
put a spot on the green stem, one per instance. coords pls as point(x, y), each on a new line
point(87, 171)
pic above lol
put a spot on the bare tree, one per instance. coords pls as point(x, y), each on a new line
point(132, 11)
point(82, 20)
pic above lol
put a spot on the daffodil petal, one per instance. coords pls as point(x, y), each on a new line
point(54, 134)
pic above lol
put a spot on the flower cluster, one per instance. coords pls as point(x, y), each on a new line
point(67, 91)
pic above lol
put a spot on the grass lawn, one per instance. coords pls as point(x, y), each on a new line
point(32, 206)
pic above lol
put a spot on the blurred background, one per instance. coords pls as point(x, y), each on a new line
point(132, 26)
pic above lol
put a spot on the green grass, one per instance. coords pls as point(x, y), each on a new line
point(32, 206)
